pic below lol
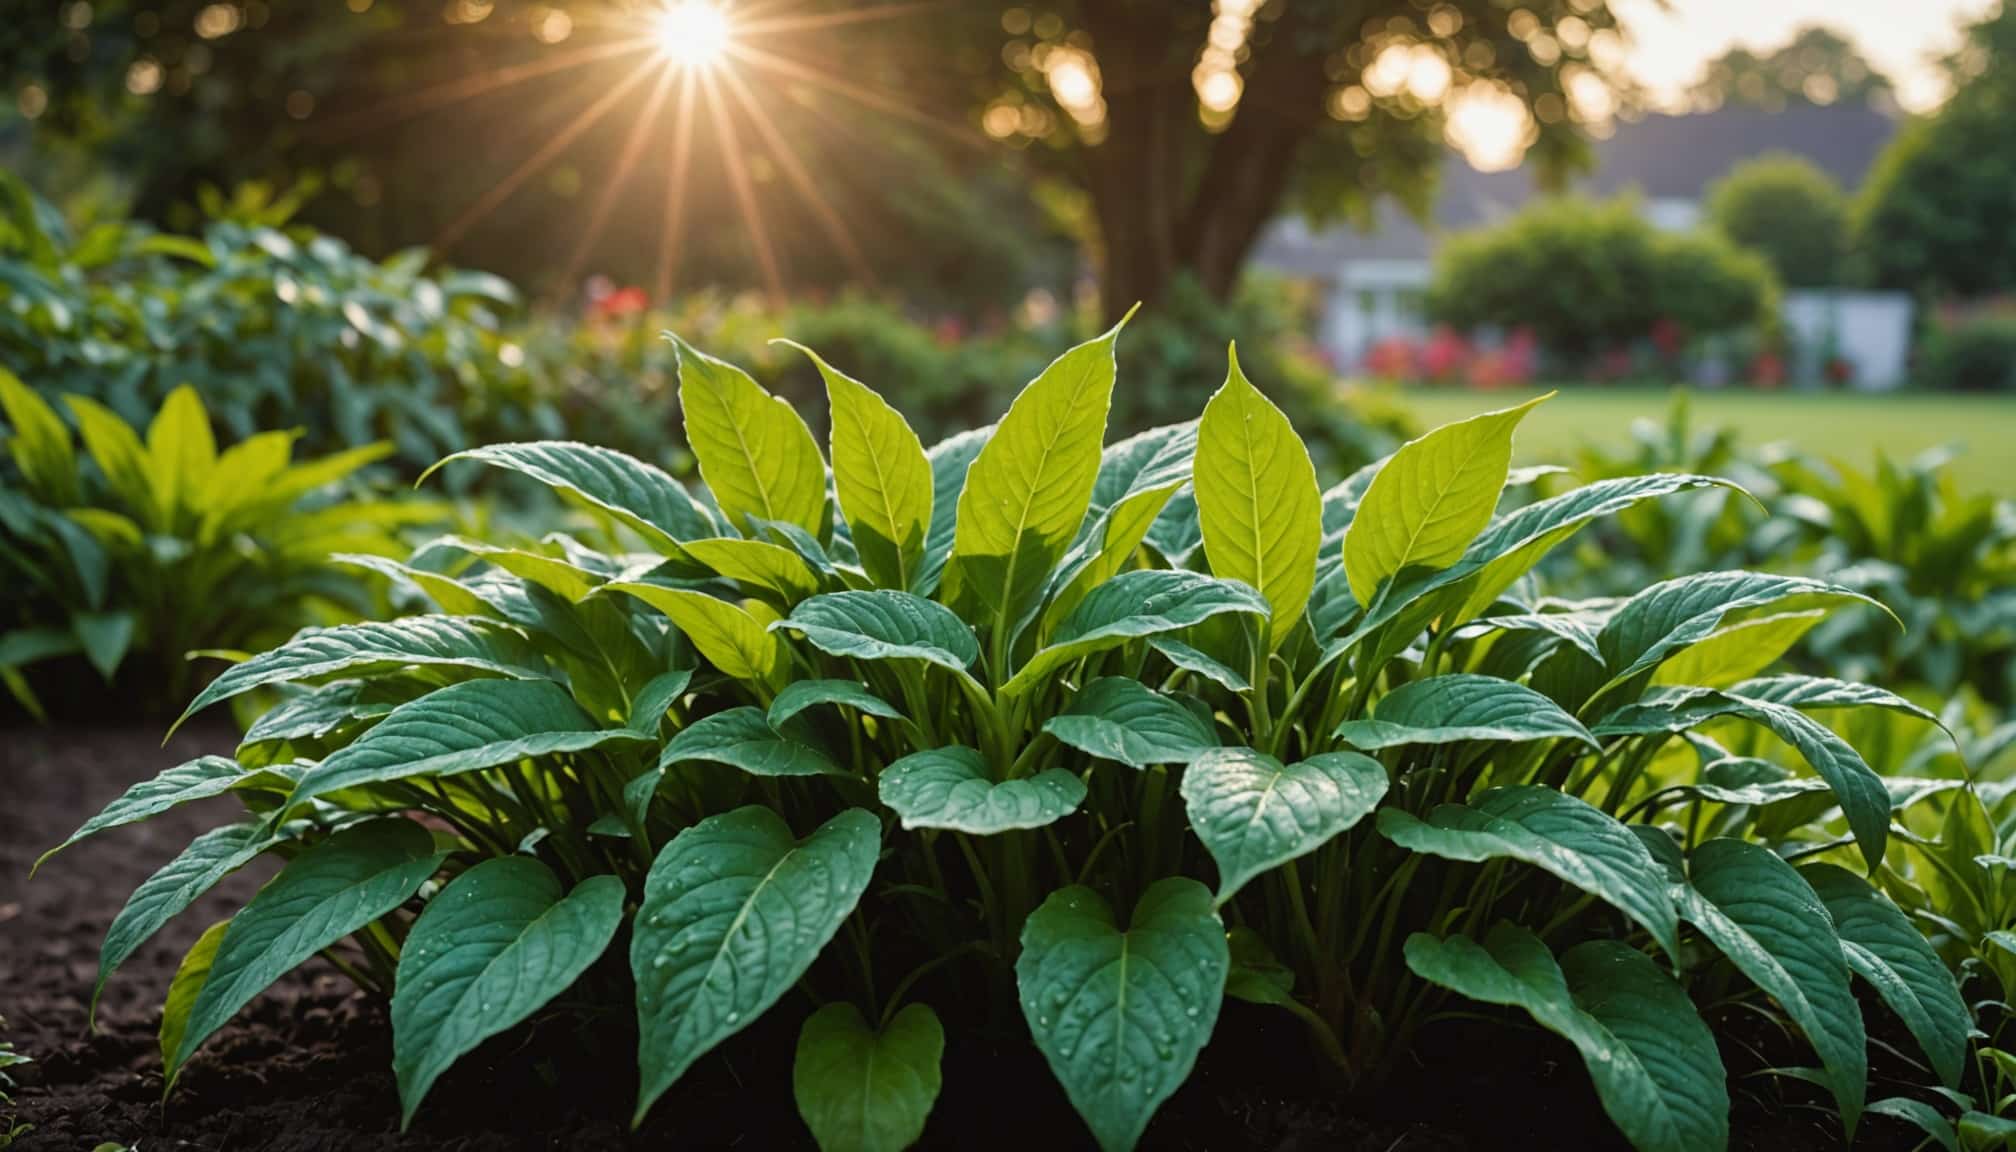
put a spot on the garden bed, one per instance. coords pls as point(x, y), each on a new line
point(307, 1067)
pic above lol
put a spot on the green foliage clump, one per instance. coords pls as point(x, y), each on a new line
point(1590, 277)
point(1791, 212)
point(135, 552)
point(1972, 355)
point(275, 327)
point(1070, 741)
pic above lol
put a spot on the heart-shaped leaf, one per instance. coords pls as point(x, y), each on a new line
point(1254, 813)
point(490, 949)
point(952, 788)
point(744, 738)
point(1119, 719)
point(1120, 1015)
point(860, 1090)
point(735, 910)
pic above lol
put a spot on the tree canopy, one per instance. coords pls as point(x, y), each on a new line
point(1163, 134)
point(1936, 215)
point(1817, 66)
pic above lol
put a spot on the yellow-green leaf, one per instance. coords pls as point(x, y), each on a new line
point(188, 981)
point(880, 474)
point(1257, 500)
point(758, 566)
point(181, 449)
point(1431, 499)
point(40, 444)
point(755, 453)
point(1738, 651)
point(1028, 489)
point(731, 638)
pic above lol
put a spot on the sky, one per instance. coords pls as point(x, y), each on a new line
point(1901, 38)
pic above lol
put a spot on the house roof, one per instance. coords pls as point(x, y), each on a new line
point(1662, 157)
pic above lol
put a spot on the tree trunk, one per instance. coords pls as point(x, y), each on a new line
point(1168, 197)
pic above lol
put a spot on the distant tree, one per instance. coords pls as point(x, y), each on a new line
point(1937, 215)
point(1587, 277)
point(1817, 66)
point(1166, 132)
point(1789, 211)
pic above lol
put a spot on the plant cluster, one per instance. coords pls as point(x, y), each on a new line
point(1075, 742)
point(1942, 559)
point(137, 551)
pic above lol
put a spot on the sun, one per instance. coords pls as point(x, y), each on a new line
point(691, 33)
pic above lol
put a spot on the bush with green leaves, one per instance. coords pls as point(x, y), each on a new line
point(275, 327)
point(1589, 278)
point(125, 557)
point(1072, 743)
point(1977, 354)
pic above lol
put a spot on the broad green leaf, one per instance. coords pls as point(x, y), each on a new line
point(735, 910)
point(757, 565)
point(1254, 813)
point(163, 896)
point(40, 444)
point(489, 950)
point(1257, 975)
point(649, 706)
point(952, 788)
point(181, 450)
point(464, 727)
point(743, 738)
point(1202, 663)
point(1920, 1115)
point(1864, 799)
point(1798, 691)
point(1114, 718)
point(885, 625)
point(1132, 605)
point(1767, 920)
point(449, 594)
point(1884, 948)
point(1555, 832)
point(1027, 490)
point(729, 636)
point(1514, 543)
point(1653, 1061)
point(1577, 628)
point(1120, 1015)
point(331, 890)
point(472, 643)
point(1672, 615)
point(1738, 651)
point(950, 460)
point(105, 638)
point(1430, 500)
point(756, 454)
point(183, 988)
point(1113, 538)
point(881, 477)
point(559, 576)
point(243, 480)
point(1461, 706)
point(641, 496)
point(1257, 501)
point(191, 780)
point(860, 1090)
point(314, 713)
point(802, 694)
point(120, 456)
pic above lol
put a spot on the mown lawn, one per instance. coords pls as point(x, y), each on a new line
point(1852, 427)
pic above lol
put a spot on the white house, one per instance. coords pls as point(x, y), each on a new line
point(1373, 280)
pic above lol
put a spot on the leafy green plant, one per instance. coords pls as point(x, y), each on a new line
point(138, 551)
point(1092, 738)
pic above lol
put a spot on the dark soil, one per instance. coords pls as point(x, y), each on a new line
point(306, 1068)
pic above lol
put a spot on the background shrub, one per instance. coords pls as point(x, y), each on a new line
point(1973, 355)
point(1789, 211)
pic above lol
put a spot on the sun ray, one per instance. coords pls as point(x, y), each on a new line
point(738, 182)
point(784, 65)
point(572, 131)
point(451, 92)
point(675, 188)
point(788, 162)
point(787, 24)
point(626, 161)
